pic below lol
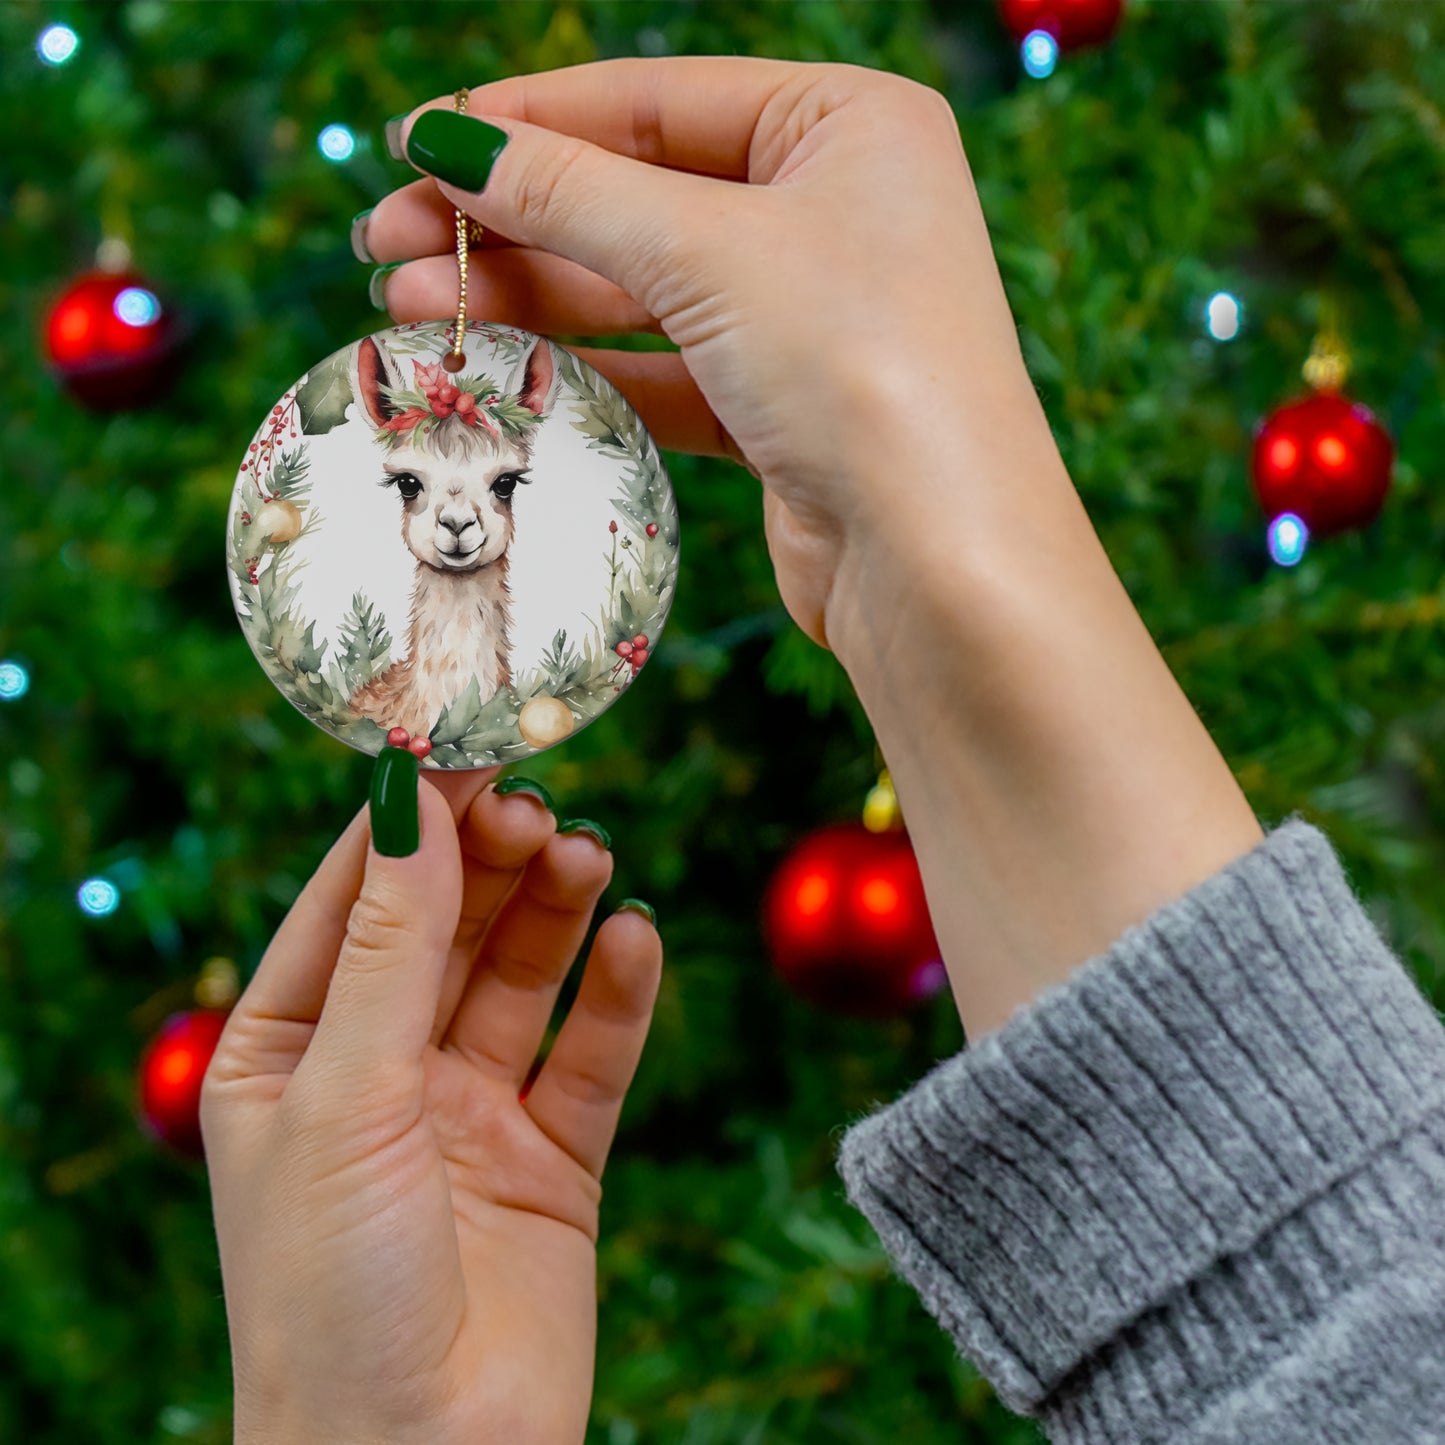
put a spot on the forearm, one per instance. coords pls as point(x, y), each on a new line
point(1056, 782)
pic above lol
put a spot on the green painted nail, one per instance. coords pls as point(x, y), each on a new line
point(586, 825)
point(455, 148)
point(359, 247)
point(376, 288)
point(395, 825)
point(527, 786)
point(392, 132)
point(636, 905)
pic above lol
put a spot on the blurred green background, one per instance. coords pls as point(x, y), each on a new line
point(1287, 153)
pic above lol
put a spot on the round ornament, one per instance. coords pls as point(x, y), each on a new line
point(1326, 459)
point(1073, 23)
point(111, 341)
point(172, 1070)
point(847, 923)
point(452, 555)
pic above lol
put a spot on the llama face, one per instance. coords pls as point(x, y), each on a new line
point(456, 500)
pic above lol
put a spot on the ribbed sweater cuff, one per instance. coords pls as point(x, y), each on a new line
point(1144, 1164)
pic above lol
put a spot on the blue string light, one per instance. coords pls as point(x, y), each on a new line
point(98, 897)
point(14, 681)
point(1288, 537)
point(1040, 54)
point(1223, 316)
point(137, 307)
point(57, 44)
point(336, 143)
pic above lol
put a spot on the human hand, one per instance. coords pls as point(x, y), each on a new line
point(408, 1247)
point(842, 325)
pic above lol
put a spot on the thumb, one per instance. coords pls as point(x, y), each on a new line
point(382, 1000)
point(634, 224)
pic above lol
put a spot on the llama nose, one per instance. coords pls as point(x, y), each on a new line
point(454, 524)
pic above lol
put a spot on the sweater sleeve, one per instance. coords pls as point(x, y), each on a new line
point(1195, 1193)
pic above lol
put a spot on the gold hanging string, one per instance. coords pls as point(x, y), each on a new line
point(469, 233)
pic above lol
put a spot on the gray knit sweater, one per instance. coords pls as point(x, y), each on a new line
point(1196, 1192)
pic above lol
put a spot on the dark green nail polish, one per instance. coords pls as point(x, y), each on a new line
point(358, 237)
point(392, 132)
point(455, 148)
point(636, 905)
point(395, 825)
point(376, 288)
point(527, 786)
point(586, 825)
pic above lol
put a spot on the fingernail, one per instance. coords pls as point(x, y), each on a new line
point(636, 905)
point(525, 785)
point(586, 825)
point(393, 137)
point(395, 825)
point(455, 148)
point(376, 288)
point(359, 247)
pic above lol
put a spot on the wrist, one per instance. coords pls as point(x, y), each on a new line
point(1057, 784)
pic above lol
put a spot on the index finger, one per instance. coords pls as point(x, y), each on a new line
point(696, 113)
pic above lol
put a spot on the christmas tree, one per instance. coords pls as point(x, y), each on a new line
point(1282, 160)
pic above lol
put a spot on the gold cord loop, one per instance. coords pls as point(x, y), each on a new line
point(469, 232)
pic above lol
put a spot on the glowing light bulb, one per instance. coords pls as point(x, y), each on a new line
point(1331, 451)
point(1223, 316)
point(1283, 454)
point(57, 44)
point(137, 307)
point(14, 681)
point(336, 143)
point(1288, 537)
point(1040, 54)
point(98, 897)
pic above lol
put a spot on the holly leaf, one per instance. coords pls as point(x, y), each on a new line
point(322, 399)
point(457, 719)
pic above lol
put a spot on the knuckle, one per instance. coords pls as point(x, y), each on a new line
point(374, 933)
point(542, 189)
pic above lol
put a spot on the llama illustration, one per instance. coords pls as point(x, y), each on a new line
point(455, 449)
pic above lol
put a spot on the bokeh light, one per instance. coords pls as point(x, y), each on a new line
point(1223, 316)
point(336, 143)
point(137, 307)
point(1040, 53)
point(14, 681)
point(57, 44)
point(1288, 537)
point(98, 897)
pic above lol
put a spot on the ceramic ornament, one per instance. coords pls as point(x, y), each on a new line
point(472, 562)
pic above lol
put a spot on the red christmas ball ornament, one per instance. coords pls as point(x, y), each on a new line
point(112, 341)
point(1073, 23)
point(847, 924)
point(1326, 459)
point(171, 1071)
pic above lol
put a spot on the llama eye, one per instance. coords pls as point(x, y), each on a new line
point(408, 485)
point(505, 485)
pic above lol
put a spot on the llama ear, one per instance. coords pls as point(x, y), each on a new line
point(537, 377)
point(372, 367)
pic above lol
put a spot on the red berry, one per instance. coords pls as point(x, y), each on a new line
point(639, 656)
point(612, 526)
point(253, 446)
point(441, 409)
point(624, 649)
point(447, 393)
point(275, 411)
point(652, 529)
point(398, 738)
point(420, 746)
point(640, 640)
point(466, 404)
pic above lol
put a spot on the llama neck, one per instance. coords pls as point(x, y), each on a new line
point(459, 624)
